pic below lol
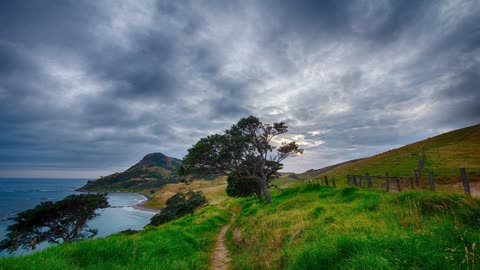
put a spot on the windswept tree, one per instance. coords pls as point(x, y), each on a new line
point(244, 152)
point(54, 222)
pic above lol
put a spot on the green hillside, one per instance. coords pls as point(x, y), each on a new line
point(306, 227)
point(443, 154)
point(153, 171)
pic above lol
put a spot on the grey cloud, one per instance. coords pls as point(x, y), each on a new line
point(93, 85)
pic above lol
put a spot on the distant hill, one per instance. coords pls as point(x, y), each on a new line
point(443, 154)
point(153, 171)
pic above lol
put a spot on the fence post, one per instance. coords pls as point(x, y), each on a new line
point(369, 180)
point(398, 185)
point(416, 178)
point(411, 183)
point(387, 182)
point(360, 181)
point(432, 181)
point(326, 180)
point(466, 186)
point(421, 163)
point(333, 182)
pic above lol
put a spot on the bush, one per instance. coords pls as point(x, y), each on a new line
point(179, 205)
point(241, 187)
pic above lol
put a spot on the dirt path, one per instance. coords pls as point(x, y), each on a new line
point(220, 260)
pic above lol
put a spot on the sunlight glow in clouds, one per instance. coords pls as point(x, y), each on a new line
point(92, 86)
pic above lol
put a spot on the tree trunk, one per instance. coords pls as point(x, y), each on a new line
point(266, 192)
point(258, 192)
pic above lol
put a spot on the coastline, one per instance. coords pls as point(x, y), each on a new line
point(139, 206)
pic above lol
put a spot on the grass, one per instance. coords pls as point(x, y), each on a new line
point(182, 244)
point(317, 227)
point(308, 226)
point(443, 154)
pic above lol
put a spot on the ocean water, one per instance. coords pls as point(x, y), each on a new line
point(17, 195)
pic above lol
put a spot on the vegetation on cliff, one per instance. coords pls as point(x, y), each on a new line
point(153, 171)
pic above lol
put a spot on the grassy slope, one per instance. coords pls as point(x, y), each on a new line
point(182, 244)
point(443, 154)
point(308, 226)
point(317, 227)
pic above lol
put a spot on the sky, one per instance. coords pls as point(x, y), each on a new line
point(87, 88)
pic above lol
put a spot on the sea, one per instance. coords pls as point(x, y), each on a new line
point(20, 194)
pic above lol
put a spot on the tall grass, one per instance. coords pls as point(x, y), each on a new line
point(317, 227)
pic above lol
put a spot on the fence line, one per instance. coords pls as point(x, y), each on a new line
point(385, 182)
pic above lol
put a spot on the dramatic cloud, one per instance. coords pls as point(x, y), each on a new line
point(89, 87)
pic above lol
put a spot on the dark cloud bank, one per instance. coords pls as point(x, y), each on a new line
point(89, 87)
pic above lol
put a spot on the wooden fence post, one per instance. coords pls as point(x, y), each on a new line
point(411, 183)
point(355, 180)
point(360, 181)
point(398, 185)
point(419, 175)
point(466, 186)
point(369, 180)
point(432, 181)
point(387, 182)
point(326, 180)
point(421, 164)
point(415, 176)
point(333, 182)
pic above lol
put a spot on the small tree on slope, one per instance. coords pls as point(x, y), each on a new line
point(55, 222)
point(244, 152)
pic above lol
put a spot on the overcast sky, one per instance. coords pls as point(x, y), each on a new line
point(88, 88)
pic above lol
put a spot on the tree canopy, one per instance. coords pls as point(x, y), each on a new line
point(54, 222)
point(245, 151)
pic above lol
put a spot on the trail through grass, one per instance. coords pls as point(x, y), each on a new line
point(220, 254)
point(306, 227)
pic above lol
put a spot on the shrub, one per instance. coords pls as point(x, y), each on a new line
point(179, 205)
